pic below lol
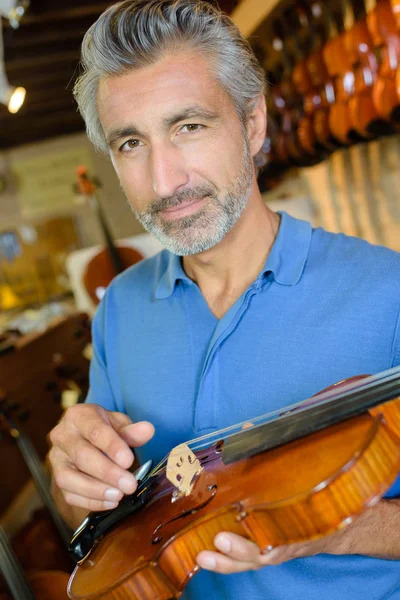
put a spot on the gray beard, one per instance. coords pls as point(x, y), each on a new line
point(204, 229)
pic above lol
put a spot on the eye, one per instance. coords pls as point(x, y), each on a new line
point(129, 145)
point(192, 127)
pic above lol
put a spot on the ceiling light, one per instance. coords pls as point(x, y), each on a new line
point(16, 99)
point(12, 97)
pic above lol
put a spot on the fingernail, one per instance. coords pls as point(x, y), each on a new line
point(112, 494)
point(207, 562)
point(223, 543)
point(126, 485)
point(110, 504)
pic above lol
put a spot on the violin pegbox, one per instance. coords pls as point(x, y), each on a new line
point(182, 468)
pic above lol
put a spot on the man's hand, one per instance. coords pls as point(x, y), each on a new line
point(373, 533)
point(91, 453)
point(239, 554)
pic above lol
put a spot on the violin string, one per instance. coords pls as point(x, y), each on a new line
point(327, 397)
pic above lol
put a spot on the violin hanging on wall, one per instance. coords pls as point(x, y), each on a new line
point(318, 27)
point(113, 259)
point(364, 115)
point(339, 67)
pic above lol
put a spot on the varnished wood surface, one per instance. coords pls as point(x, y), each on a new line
point(301, 491)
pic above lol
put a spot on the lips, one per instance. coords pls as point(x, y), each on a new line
point(184, 209)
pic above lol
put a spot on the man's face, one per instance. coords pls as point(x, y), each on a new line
point(179, 150)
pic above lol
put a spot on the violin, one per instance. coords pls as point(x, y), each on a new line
point(396, 11)
point(366, 121)
point(288, 102)
point(319, 75)
point(386, 39)
point(303, 84)
point(338, 64)
point(110, 261)
point(291, 476)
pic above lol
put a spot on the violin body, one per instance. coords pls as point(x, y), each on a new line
point(100, 270)
point(110, 261)
point(340, 70)
point(305, 489)
point(288, 148)
point(395, 4)
point(382, 26)
point(366, 119)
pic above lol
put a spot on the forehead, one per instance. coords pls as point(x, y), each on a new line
point(172, 82)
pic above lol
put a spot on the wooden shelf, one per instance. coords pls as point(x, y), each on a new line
point(251, 13)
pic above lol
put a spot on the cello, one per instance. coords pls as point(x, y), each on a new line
point(41, 583)
point(110, 261)
point(290, 477)
point(44, 585)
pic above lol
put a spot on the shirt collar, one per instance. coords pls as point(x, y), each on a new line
point(288, 255)
point(171, 275)
point(285, 261)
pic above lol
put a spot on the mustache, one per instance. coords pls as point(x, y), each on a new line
point(179, 198)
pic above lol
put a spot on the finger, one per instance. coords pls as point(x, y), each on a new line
point(219, 563)
point(97, 427)
point(277, 556)
point(137, 434)
point(90, 460)
point(237, 547)
point(71, 480)
point(93, 423)
point(247, 425)
point(88, 503)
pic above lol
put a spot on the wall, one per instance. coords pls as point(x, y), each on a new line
point(119, 216)
point(356, 191)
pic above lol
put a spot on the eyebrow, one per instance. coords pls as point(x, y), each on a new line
point(187, 113)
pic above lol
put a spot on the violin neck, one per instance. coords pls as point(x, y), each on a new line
point(112, 249)
point(12, 570)
point(301, 422)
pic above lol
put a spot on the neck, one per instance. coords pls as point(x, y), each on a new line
point(227, 269)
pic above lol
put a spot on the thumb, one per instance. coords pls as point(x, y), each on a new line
point(136, 434)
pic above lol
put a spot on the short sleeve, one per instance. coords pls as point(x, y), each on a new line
point(100, 390)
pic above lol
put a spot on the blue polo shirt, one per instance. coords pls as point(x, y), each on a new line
point(324, 307)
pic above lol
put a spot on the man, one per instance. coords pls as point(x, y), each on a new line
point(245, 312)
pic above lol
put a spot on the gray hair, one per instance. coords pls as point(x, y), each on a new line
point(137, 33)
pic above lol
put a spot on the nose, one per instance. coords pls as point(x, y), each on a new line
point(168, 172)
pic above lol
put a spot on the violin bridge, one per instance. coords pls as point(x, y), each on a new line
point(182, 468)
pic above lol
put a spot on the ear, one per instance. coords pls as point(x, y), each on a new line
point(257, 126)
